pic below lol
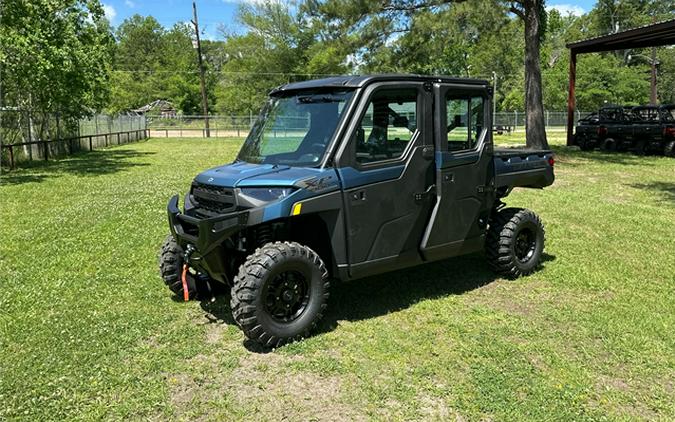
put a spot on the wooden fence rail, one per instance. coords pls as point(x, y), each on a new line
point(139, 134)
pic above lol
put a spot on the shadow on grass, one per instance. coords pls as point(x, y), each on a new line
point(386, 293)
point(625, 158)
point(665, 190)
point(93, 163)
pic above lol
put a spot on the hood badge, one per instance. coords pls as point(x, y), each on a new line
point(210, 179)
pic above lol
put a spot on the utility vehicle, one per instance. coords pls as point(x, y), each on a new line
point(348, 177)
point(642, 129)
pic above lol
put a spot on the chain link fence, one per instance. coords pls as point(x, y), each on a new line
point(28, 135)
point(183, 126)
point(555, 121)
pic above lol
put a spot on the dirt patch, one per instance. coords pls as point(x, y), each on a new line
point(522, 299)
point(626, 404)
point(265, 384)
point(435, 409)
point(214, 332)
point(606, 382)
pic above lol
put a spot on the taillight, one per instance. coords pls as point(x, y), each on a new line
point(551, 161)
point(669, 131)
point(602, 130)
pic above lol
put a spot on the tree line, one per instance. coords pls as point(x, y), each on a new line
point(63, 56)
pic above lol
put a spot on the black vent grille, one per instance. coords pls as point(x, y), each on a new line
point(212, 199)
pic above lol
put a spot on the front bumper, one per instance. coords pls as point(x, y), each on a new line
point(205, 234)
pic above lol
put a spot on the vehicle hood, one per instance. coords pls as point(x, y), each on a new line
point(245, 174)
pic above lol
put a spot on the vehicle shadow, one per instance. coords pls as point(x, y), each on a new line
point(94, 163)
point(664, 190)
point(383, 294)
point(392, 292)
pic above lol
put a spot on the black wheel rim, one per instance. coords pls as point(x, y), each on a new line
point(526, 243)
point(286, 296)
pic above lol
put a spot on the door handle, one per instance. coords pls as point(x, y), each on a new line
point(358, 196)
point(419, 197)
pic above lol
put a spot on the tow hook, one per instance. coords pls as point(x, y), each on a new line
point(186, 264)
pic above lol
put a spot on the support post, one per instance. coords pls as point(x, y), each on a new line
point(571, 98)
point(653, 98)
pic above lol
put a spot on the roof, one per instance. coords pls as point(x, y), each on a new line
point(163, 105)
point(358, 81)
point(653, 35)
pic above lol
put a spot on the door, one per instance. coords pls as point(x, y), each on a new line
point(387, 176)
point(464, 172)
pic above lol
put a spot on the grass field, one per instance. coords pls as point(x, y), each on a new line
point(88, 331)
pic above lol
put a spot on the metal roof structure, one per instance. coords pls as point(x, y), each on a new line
point(654, 35)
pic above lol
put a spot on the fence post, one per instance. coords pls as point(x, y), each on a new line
point(30, 136)
point(90, 146)
point(11, 157)
point(46, 150)
point(515, 121)
point(58, 126)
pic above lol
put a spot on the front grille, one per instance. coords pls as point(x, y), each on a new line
point(212, 199)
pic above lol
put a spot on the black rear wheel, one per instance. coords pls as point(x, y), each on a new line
point(609, 145)
point(515, 242)
point(669, 149)
point(280, 293)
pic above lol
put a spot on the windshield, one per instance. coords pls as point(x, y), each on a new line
point(295, 129)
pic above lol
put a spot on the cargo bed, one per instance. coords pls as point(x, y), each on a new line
point(519, 167)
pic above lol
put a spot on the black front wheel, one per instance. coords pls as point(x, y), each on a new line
point(515, 242)
point(199, 285)
point(586, 144)
point(280, 293)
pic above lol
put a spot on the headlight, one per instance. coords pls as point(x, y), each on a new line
point(256, 197)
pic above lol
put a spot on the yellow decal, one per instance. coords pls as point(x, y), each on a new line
point(296, 208)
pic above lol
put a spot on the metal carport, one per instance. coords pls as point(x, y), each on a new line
point(654, 35)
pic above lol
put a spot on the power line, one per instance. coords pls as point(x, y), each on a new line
point(217, 72)
point(231, 72)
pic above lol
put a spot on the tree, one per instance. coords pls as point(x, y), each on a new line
point(532, 12)
point(277, 48)
point(55, 56)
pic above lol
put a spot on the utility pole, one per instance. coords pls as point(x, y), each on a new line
point(202, 83)
point(653, 92)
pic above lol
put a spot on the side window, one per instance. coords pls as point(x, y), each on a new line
point(465, 122)
point(387, 126)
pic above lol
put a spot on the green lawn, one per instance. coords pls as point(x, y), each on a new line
point(88, 331)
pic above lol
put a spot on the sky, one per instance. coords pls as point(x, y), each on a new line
point(213, 13)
